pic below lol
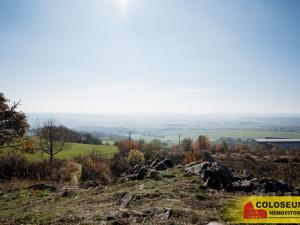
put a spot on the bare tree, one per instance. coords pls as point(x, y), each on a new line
point(53, 139)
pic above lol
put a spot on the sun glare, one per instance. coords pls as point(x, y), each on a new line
point(123, 6)
point(123, 3)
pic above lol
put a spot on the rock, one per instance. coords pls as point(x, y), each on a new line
point(168, 163)
point(139, 214)
point(141, 187)
point(154, 163)
point(166, 214)
point(215, 223)
point(180, 166)
point(66, 192)
point(247, 174)
point(141, 173)
point(192, 164)
point(161, 166)
point(136, 168)
point(216, 176)
point(244, 185)
point(270, 185)
point(89, 184)
point(206, 165)
point(206, 156)
point(125, 200)
point(195, 168)
point(265, 186)
point(42, 187)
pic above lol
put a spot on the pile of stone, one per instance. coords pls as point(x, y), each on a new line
point(264, 186)
point(139, 172)
point(90, 184)
point(216, 176)
point(212, 174)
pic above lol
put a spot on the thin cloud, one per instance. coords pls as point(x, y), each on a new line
point(143, 91)
point(185, 92)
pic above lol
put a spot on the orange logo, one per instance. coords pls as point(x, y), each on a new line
point(251, 213)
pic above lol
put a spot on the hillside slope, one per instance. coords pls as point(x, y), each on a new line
point(170, 199)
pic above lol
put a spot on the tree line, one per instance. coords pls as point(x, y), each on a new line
point(52, 138)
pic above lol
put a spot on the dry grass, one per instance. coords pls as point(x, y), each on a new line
point(189, 204)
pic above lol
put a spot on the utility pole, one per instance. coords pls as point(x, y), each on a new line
point(129, 135)
point(179, 144)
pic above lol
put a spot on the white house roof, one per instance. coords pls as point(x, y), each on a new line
point(278, 140)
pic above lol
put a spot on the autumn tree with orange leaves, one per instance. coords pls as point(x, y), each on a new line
point(202, 143)
point(125, 146)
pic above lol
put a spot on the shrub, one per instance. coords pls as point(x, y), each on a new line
point(29, 146)
point(222, 147)
point(198, 155)
point(152, 149)
point(150, 153)
point(118, 165)
point(125, 146)
point(187, 144)
point(135, 157)
point(202, 142)
point(15, 165)
point(174, 155)
point(193, 156)
point(95, 167)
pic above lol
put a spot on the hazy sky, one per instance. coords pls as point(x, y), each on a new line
point(125, 56)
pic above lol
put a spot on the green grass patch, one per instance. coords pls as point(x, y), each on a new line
point(77, 150)
point(168, 175)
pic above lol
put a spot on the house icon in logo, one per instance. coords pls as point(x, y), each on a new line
point(251, 213)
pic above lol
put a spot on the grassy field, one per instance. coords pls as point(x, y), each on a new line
point(77, 150)
point(216, 134)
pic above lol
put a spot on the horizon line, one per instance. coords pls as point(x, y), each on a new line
point(166, 113)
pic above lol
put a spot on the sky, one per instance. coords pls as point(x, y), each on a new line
point(151, 56)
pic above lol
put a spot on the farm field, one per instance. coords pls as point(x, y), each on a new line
point(77, 150)
point(214, 134)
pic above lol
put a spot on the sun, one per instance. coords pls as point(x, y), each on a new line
point(123, 3)
point(123, 6)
